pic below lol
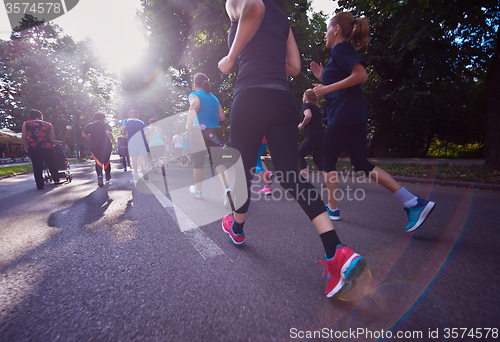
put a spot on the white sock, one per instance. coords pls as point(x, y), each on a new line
point(407, 198)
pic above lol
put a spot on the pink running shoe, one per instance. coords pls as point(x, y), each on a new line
point(227, 227)
point(269, 177)
point(342, 269)
point(266, 190)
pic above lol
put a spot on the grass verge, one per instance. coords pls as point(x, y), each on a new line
point(448, 172)
point(15, 169)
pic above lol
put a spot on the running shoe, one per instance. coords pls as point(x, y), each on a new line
point(334, 214)
point(269, 177)
point(227, 227)
point(418, 214)
point(196, 193)
point(99, 181)
point(342, 270)
point(266, 190)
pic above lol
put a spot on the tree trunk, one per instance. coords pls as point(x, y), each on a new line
point(382, 134)
point(492, 154)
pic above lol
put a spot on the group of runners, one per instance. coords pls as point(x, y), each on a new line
point(262, 43)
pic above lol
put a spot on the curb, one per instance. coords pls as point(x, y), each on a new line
point(455, 184)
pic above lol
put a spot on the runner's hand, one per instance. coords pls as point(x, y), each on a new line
point(225, 65)
point(317, 70)
point(319, 89)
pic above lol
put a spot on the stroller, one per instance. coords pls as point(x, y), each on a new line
point(61, 164)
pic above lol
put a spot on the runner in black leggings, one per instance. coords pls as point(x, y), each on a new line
point(262, 42)
point(348, 115)
point(314, 132)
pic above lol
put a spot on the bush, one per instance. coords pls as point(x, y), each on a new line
point(444, 149)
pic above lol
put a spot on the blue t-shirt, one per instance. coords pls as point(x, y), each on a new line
point(133, 125)
point(208, 114)
point(263, 60)
point(345, 106)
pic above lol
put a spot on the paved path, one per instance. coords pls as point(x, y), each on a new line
point(120, 263)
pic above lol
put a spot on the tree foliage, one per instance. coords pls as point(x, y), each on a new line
point(427, 61)
point(49, 71)
point(187, 37)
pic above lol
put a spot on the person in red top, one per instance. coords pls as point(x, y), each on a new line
point(37, 136)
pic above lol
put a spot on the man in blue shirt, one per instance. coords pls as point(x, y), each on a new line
point(133, 129)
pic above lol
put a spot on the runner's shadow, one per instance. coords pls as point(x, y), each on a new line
point(85, 211)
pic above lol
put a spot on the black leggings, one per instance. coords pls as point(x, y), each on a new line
point(214, 150)
point(313, 142)
point(340, 137)
point(101, 156)
point(259, 112)
point(41, 157)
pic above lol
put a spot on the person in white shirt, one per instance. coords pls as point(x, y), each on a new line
point(178, 142)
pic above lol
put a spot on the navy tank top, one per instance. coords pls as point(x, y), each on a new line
point(263, 60)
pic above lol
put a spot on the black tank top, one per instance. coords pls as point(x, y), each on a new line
point(263, 60)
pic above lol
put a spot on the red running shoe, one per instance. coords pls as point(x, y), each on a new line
point(342, 269)
point(266, 190)
point(227, 226)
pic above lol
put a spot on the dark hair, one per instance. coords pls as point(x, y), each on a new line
point(152, 121)
point(356, 30)
point(35, 114)
point(99, 116)
point(201, 80)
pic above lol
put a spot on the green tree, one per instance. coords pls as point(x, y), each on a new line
point(47, 70)
point(191, 36)
point(427, 62)
point(493, 135)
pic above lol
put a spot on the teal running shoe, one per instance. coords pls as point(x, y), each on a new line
point(418, 214)
point(334, 214)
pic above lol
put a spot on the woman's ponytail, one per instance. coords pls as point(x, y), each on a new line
point(201, 80)
point(360, 36)
point(356, 30)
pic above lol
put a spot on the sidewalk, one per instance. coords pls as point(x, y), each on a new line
point(428, 161)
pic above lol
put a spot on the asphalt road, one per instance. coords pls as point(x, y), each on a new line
point(127, 263)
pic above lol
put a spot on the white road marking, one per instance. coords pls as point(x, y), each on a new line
point(203, 244)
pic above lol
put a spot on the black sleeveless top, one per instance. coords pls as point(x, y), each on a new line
point(263, 60)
